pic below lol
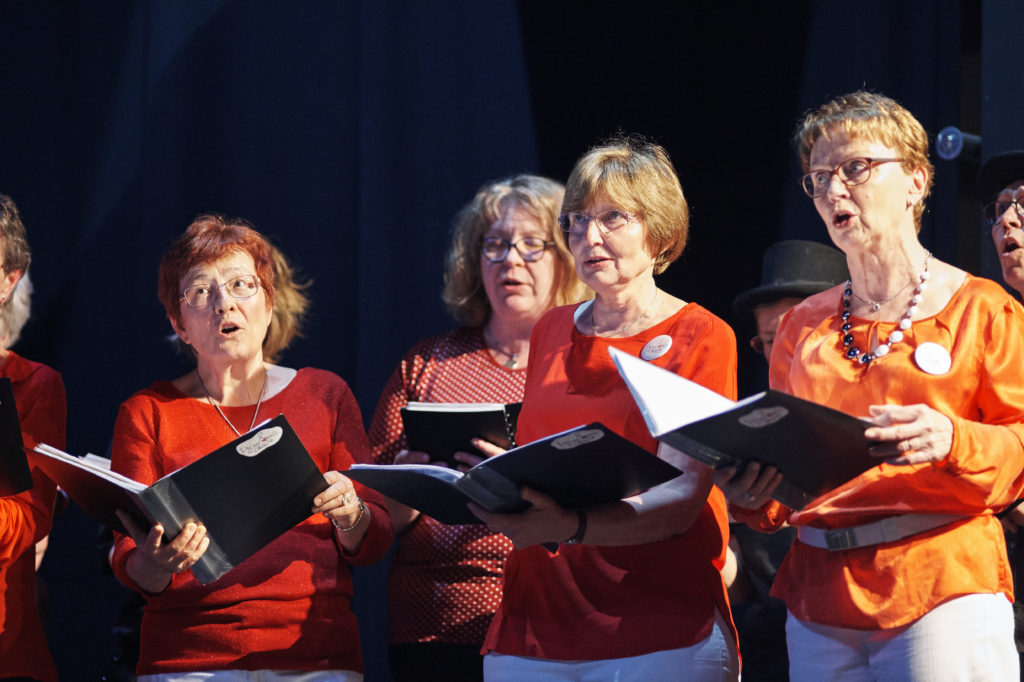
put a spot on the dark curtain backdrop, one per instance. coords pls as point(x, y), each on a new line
point(351, 132)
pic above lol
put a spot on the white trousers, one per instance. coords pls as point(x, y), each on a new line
point(711, 660)
point(256, 676)
point(969, 638)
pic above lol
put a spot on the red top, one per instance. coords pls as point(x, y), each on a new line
point(589, 602)
point(25, 519)
point(287, 607)
point(459, 566)
point(895, 583)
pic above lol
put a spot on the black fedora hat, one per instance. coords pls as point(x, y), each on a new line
point(998, 172)
point(794, 268)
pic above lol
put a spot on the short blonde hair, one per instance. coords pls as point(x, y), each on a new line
point(464, 292)
point(869, 116)
point(637, 176)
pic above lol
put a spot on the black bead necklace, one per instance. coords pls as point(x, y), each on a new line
point(895, 336)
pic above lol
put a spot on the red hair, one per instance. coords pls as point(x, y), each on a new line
point(209, 238)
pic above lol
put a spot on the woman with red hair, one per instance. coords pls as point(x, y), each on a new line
point(285, 610)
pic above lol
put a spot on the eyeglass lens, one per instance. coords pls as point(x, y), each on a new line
point(576, 223)
point(239, 288)
point(851, 172)
point(995, 210)
point(496, 249)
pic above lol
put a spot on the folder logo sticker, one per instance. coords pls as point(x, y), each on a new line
point(766, 416)
point(260, 442)
point(577, 438)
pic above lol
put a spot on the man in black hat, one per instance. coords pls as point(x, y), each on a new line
point(791, 271)
point(1001, 187)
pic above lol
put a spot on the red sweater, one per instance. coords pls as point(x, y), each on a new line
point(459, 566)
point(287, 607)
point(25, 519)
point(589, 602)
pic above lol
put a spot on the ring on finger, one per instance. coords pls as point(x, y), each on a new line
point(749, 497)
point(346, 498)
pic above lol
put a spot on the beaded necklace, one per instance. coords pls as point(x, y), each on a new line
point(895, 336)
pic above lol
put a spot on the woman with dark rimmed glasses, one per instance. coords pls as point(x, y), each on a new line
point(504, 271)
point(900, 573)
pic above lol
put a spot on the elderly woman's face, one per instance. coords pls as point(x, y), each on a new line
point(517, 287)
point(860, 216)
point(228, 320)
point(610, 257)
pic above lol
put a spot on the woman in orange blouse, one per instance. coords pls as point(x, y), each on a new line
point(916, 584)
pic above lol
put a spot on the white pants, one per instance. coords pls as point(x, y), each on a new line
point(256, 676)
point(711, 660)
point(969, 638)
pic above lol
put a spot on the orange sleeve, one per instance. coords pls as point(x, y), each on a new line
point(987, 454)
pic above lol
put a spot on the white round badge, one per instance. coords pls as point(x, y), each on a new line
point(933, 358)
point(656, 347)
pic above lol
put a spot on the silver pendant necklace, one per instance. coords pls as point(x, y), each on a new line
point(259, 402)
point(626, 327)
point(905, 323)
point(511, 359)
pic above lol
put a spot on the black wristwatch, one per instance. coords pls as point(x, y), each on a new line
point(581, 529)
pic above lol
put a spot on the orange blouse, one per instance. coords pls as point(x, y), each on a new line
point(892, 584)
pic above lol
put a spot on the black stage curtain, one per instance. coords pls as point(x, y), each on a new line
point(351, 132)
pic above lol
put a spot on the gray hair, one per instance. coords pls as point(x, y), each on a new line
point(15, 313)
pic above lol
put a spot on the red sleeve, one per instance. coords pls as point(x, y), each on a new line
point(42, 410)
point(712, 360)
point(133, 455)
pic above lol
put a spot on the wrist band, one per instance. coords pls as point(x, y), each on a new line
point(581, 529)
point(359, 517)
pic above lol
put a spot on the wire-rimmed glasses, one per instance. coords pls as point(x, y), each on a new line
point(994, 210)
point(575, 223)
point(239, 287)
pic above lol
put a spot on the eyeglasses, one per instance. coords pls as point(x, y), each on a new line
point(575, 223)
point(239, 288)
point(530, 249)
point(852, 172)
point(995, 210)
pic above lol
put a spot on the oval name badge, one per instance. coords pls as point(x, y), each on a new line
point(932, 358)
point(260, 442)
point(656, 347)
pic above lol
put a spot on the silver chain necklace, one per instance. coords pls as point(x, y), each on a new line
point(512, 361)
point(259, 402)
point(895, 336)
point(876, 305)
point(626, 327)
